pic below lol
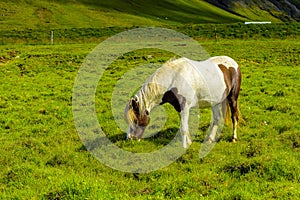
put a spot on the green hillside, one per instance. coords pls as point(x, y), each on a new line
point(91, 13)
point(24, 14)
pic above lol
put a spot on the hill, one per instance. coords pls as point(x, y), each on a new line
point(92, 13)
point(283, 10)
point(23, 14)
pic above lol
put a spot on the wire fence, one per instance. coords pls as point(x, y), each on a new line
point(198, 31)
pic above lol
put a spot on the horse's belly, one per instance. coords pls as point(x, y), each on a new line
point(210, 96)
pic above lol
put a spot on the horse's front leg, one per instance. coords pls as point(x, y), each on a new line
point(184, 127)
point(128, 135)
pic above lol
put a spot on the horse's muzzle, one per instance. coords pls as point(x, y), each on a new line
point(136, 132)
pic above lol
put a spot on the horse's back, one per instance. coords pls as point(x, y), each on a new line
point(225, 61)
point(208, 82)
point(198, 81)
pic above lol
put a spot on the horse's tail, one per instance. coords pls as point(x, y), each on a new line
point(228, 115)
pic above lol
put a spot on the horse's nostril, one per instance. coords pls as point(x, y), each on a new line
point(128, 136)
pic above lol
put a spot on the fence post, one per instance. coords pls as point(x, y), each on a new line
point(51, 37)
point(216, 36)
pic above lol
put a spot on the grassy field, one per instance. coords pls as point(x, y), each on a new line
point(42, 156)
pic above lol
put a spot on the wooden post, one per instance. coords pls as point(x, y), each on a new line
point(216, 37)
point(51, 37)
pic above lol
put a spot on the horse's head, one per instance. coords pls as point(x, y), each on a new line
point(137, 118)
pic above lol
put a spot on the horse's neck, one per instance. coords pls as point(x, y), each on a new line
point(155, 101)
point(156, 87)
point(151, 100)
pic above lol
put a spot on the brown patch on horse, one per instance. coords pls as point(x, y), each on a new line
point(236, 92)
point(238, 81)
point(141, 119)
point(229, 77)
point(134, 104)
point(175, 99)
point(232, 80)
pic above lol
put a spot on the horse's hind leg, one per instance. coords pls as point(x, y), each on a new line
point(234, 116)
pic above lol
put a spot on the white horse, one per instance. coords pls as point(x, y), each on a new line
point(185, 83)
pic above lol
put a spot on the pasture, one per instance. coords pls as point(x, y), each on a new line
point(42, 156)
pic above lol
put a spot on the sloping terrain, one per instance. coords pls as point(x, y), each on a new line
point(283, 10)
point(92, 13)
point(21, 14)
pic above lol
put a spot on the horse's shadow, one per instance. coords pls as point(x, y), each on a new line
point(163, 137)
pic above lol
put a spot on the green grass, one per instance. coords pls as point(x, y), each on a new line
point(200, 31)
point(42, 156)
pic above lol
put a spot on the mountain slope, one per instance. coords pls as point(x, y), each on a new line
point(93, 13)
point(21, 14)
point(282, 10)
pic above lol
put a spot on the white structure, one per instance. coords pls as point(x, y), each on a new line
point(258, 22)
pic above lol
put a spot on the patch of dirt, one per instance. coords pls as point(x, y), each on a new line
point(44, 14)
point(4, 59)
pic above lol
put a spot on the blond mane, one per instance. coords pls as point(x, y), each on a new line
point(129, 115)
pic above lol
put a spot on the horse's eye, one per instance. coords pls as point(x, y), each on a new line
point(147, 112)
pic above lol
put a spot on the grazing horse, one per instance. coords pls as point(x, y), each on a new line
point(185, 83)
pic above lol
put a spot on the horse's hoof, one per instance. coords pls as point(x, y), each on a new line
point(234, 140)
point(212, 140)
